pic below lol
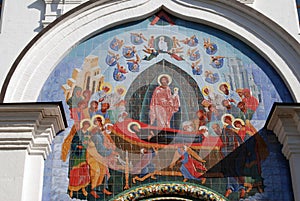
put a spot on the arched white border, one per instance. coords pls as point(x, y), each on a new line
point(239, 20)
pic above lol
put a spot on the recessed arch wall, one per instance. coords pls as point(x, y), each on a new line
point(40, 57)
point(145, 85)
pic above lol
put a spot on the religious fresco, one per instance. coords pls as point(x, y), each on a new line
point(161, 100)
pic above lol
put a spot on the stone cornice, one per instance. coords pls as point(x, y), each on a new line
point(55, 9)
point(30, 126)
point(284, 121)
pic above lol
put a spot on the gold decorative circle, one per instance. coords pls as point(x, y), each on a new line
point(133, 123)
point(86, 120)
point(164, 75)
point(106, 84)
point(240, 120)
point(98, 115)
point(174, 191)
point(223, 83)
point(224, 115)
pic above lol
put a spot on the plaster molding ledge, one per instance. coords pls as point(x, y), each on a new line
point(56, 8)
point(30, 126)
point(284, 121)
point(246, 1)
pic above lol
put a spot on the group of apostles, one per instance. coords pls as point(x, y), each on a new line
point(93, 152)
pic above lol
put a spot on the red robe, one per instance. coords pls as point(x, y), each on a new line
point(251, 103)
point(163, 105)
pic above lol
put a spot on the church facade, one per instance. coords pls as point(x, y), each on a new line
point(150, 100)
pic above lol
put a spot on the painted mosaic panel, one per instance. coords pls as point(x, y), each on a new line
point(163, 100)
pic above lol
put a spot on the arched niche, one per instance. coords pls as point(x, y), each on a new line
point(92, 59)
point(141, 89)
point(37, 60)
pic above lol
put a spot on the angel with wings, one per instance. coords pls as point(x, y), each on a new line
point(133, 64)
point(196, 68)
point(194, 54)
point(112, 58)
point(137, 38)
point(153, 53)
point(211, 48)
point(116, 44)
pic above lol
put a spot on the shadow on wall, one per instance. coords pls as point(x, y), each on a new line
point(41, 7)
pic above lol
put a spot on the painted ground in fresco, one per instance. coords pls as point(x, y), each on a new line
point(161, 100)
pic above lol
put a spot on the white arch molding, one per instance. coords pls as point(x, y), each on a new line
point(34, 65)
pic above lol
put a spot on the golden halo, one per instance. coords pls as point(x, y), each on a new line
point(106, 84)
point(222, 83)
point(240, 120)
point(164, 75)
point(206, 87)
point(85, 120)
point(98, 115)
point(224, 115)
point(120, 87)
point(133, 123)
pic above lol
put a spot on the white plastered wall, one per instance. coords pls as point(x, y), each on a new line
point(282, 12)
point(266, 37)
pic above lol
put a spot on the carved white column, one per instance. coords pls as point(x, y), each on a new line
point(284, 121)
point(26, 134)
